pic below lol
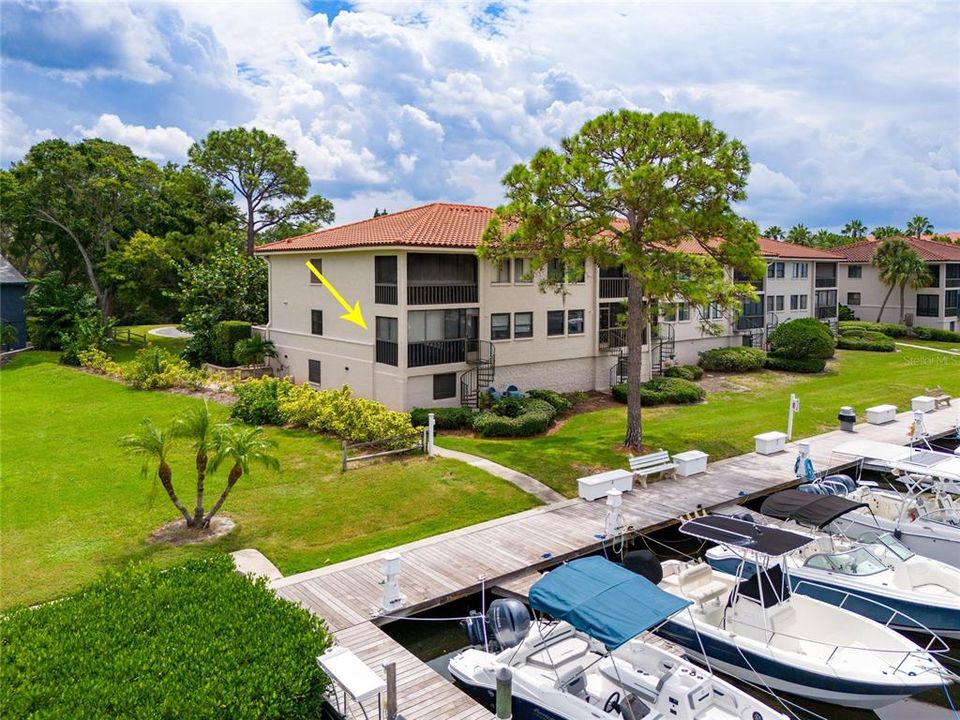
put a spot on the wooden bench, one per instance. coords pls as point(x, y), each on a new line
point(651, 464)
point(940, 398)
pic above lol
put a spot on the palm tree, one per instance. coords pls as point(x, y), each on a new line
point(919, 226)
point(774, 232)
point(854, 229)
point(884, 231)
point(197, 425)
point(243, 446)
point(899, 266)
point(154, 444)
point(800, 235)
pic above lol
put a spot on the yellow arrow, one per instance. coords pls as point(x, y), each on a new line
point(352, 314)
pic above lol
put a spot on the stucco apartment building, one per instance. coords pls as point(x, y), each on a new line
point(443, 325)
point(935, 306)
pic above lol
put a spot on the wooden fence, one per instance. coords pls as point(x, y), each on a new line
point(416, 441)
point(128, 336)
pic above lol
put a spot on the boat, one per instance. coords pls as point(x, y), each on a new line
point(589, 662)
point(874, 575)
point(925, 518)
point(755, 629)
point(924, 464)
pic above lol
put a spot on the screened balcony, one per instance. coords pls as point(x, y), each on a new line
point(441, 279)
point(826, 275)
point(613, 282)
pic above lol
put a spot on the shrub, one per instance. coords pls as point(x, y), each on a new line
point(663, 391)
point(941, 335)
point(444, 418)
point(889, 329)
point(559, 402)
point(858, 339)
point(224, 338)
point(198, 640)
point(508, 407)
point(800, 365)
point(922, 333)
point(254, 351)
point(98, 361)
point(802, 338)
point(155, 368)
point(87, 332)
point(687, 372)
point(845, 313)
point(258, 401)
point(733, 359)
point(338, 413)
point(536, 418)
point(52, 308)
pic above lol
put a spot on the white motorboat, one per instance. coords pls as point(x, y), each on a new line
point(755, 629)
point(589, 663)
point(874, 575)
point(925, 464)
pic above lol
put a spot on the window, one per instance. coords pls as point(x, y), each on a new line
point(500, 326)
point(775, 269)
point(387, 340)
point(683, 311)
point(574, 322)
point(801, 270)
point(318, 264)
point(853, 298)
point(521, 271)
point(711, 312)
point(803, 302)
point(523, 325)
point(313, 371)
point(444, 386)
point(771, 302)
point(556, 271)
point(501, 273)
point(928, 305)
point(425, 325)
point(780, 302)
point(950, 303)
point(934, 271)
point(554, 322)
point(854, 271)
point(385, 279)
point(316, 322)
point(794, 302)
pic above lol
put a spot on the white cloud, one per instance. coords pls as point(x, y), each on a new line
point(156, 143)
point(15, 136)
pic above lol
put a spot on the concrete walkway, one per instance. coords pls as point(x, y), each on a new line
point(255, 564)
point(524, 482)
point(952, 352)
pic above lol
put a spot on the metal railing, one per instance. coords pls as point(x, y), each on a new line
point(385, 294)
point(612, 338)
point(614, 287)
point(749, 322)
point(826, 311)
point(388, 352)
point(953, 282)
point(441, 294)
point(436, 352)
point(826, 282)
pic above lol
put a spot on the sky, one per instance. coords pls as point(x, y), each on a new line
point(848, 110)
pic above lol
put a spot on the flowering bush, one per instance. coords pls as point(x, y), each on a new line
point(155, 368)
point(339, 413)
point(98, 361)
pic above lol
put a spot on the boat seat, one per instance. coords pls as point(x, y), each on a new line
point(559, 653)
point(636, 681)
point(572, 681)
point(697, 583)
point(703, 594)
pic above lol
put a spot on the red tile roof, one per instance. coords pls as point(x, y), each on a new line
point(929, 250)
point(460, 226)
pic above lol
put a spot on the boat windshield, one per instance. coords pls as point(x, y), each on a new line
point(944, 516)
point(889, 544)
point(858, 561)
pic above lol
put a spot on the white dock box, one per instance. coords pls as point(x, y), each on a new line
point(923, 403)
point(692, 462)
point(770, 443)
point(881, 414)
point(594, 487)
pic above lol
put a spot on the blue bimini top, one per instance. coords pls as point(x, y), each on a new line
point(603, 600)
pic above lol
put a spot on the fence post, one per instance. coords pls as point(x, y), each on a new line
point(390, 670)
point(430, 425)
point(343, 448)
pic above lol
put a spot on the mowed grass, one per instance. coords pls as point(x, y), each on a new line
point(123, 352)
point(725, 425)
point(72, 503)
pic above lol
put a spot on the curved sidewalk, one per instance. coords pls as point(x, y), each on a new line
point(524, 482)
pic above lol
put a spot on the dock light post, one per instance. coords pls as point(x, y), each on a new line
point(392, 598)
point(614, 520)
point(504, 693)
point(794, 407)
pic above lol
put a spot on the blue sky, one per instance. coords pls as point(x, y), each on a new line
point(848, 110)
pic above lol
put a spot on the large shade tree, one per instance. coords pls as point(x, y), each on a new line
point(263, 172)
point(900, 267)
point(653, 193)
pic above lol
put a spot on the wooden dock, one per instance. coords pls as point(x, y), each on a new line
point(508, 552)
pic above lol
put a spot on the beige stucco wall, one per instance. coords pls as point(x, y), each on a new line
point(872, 292)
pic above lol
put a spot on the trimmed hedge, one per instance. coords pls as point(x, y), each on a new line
point(663, 391)
point(889, 329)
point(194, 641)
point(444, 418)
point(559, 402)
point(224, 338)
point(925, 333)
point(732, 359)
point(799, 365)
point(687, 372)
point(339, 413)
point(534, 419)
point(258, 401)
point(802, 338)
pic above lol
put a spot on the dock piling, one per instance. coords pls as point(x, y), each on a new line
point(504, 693)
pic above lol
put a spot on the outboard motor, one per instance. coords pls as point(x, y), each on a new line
point(644, 562)
point(505, 625)
point(847, 482)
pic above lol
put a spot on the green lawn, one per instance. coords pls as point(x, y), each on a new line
point(726, 423)
point(72, 503)
point(123, 352)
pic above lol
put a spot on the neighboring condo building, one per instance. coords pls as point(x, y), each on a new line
point(935, 306)
point(443, 325)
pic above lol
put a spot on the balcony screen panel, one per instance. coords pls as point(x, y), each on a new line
point(436, 269)
point(928, 305)
point(387, 329)
point(950, 298)
point(934, 271)
point(385, 269)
